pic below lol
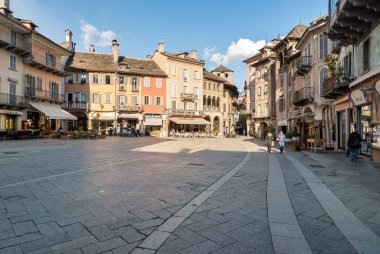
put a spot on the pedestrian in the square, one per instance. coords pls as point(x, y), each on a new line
point(269, 141)
point(281, 141)
point(354, 144)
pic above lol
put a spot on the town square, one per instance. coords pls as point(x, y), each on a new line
point(156, 127)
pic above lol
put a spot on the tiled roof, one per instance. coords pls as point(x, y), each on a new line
point(297, 31)
point(91, 61)
point(178, 57)
point(222, 68)
point(210, 76)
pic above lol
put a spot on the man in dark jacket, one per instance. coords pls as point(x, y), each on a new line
point(354, 144)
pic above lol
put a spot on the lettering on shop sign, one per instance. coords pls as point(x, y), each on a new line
point(9, 112)
point(358, 97)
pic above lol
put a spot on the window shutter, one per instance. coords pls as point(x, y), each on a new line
point(150, 100)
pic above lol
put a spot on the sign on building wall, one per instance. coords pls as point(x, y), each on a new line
point(358, 97)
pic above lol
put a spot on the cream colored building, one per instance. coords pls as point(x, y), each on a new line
point(31, 74)
point(311, 113)
point(105, 90)
point(184, 87)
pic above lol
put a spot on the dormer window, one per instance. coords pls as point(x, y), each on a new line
point(226, 75)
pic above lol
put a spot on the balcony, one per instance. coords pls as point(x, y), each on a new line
point(12, 100)
point(262, 114)
point(35, 94)
point(336, 47)
point(189, 96)
point(304, 65)
point(17, 45)
point(303, 96)
point(333, 88)
point(126, 108)
point(350, 20)
point(187, 112)
point(41, 62)
point(75, 105)
point(211, 109)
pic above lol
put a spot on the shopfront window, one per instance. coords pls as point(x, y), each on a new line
point(365, 128)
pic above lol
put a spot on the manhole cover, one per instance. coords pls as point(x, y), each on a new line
point(10, 152)
point(196, 164)
point(316, 166)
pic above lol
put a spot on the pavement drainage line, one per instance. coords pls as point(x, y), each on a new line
point(74, 172)
point(158, 237)
point(287, 236)
point(356, 232)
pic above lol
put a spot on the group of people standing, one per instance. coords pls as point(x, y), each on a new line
point(353, 143)
point(269, 141)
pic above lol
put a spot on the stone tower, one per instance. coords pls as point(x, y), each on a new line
point(223, 72)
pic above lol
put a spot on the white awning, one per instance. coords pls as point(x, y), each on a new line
point(128, 116)
point(53, 112)
point(366, 76)
point(195, 121)
point(153, 121)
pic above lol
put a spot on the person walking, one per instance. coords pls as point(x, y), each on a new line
point(354, 144)
point(268, 141)
point(281, 141)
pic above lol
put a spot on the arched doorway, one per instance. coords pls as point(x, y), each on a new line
point(327, 126)
point(216, 124)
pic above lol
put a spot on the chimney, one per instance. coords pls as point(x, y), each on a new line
point(193, 54)
point(115, 51)
point(4, 7)
point(92, 48)
point(161, 47)
point(69, 36)
point(29, 24)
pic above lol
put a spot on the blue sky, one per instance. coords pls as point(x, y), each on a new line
point(228, 29)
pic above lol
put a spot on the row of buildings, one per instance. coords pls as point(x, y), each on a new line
point(321, 81)
point(48, 86)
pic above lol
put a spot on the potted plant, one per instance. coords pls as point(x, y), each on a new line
point(336, 73)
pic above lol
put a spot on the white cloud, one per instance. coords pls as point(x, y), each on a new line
point(92, 35)
point(237, 51)
point(207, 52)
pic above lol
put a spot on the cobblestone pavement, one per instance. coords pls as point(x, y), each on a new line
point(148, 195)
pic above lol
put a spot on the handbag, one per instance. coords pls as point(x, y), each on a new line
point(272, 143)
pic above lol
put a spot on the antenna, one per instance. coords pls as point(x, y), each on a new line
point(266, 38)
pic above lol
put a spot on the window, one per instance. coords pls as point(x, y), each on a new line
point(282, 104)
point(226, 75)
point(323, 46)
point(281, 82)
point(204, 85)
point(95, 79)
point(259, 91)
point(185, 75)
point(135, 84)
point(12, 94)
point(174, 71)
point(50, 60)
point(158, 83)
point(307, 81)
point(147, 100)
point(174, 90)
point(146, 82)
point(185, 89)
point(158, 100)
point(174, 105)
point(13, 38)
point(82, 97)
point(307, 50)
point(12, 62)
point(134, 100)
point(209, 86)
point(39, 84)
point(121, 100)
point(214, 87)
point(70, 79)
point(108, 79)
point(121, 80)
point(108, 98)
point(322, 76)
point(366, 52)
point(347, 65)
point(30, 85)
point(196, 91)
point(96, 98)
point(265, 89)
point(83, 78)
point(224, 107)
point(197, 75)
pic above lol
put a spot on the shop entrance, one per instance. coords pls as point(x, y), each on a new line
point(10, 122)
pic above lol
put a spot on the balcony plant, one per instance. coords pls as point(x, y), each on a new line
point(336, 72)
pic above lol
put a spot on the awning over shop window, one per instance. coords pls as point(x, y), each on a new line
point(195, 121)
point(153, 121)
point(53, 112)
point(128, 116)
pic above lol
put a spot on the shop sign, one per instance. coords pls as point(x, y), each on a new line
point(236, 116)
point(358, 97)
point(282, 123)
point(10, 112)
